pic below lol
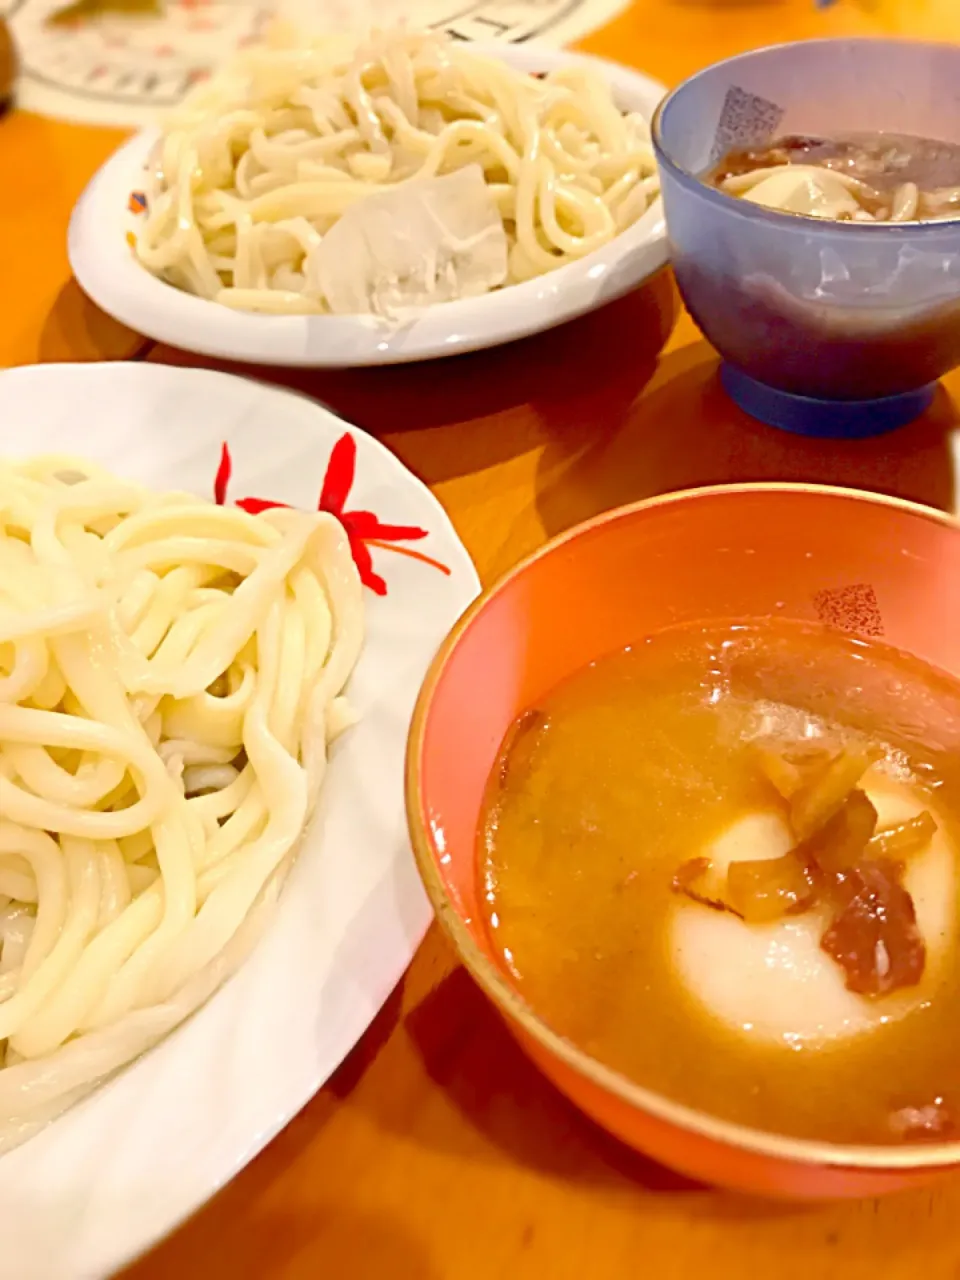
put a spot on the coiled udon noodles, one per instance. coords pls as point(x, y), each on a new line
point(170, 675)
point(327, 176)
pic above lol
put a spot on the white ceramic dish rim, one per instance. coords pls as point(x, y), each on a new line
point(128, 1163)
point(107, 271)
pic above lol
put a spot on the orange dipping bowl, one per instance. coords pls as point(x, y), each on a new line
point(867, 565)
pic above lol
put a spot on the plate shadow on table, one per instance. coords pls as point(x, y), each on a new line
point(592, 368)
point(77, 329)
point(504, 1101)
point(275, 1230)
point(685, 432)
point(467, 1050)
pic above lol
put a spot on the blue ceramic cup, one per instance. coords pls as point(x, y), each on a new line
point(828, 328)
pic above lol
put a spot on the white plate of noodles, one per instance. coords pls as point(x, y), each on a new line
point(217, 603)
point(336, 204)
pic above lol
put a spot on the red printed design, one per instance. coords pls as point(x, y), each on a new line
point(364, 530)
point(853, 609)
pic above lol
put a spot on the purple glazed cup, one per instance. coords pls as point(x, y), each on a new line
point(827, 328)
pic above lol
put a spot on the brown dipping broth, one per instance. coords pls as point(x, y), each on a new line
point(882, 161)
point(629, 769)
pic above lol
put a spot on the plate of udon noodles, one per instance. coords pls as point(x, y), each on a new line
point(217, 603)
point(379, 199)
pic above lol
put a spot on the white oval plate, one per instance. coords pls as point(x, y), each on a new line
point(126, 1165)
point(107, 271)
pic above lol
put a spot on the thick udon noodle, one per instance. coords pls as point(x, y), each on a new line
point(258, 165)
point(170, 675)
point(837, 196)
point(879, 177)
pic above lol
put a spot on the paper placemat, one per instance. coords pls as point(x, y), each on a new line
point(124, 67)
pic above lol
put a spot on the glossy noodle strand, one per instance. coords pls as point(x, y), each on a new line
point(171, 673)
point(320, 176)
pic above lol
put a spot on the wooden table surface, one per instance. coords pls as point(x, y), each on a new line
point(437, 1152)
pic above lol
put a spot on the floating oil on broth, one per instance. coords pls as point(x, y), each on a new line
point(659, 755)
